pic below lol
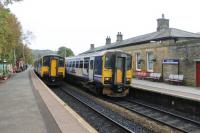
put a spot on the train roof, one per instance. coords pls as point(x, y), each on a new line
point(99, 53)
point(52, 55)
point(49, 55)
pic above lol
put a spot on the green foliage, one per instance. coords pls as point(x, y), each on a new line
point(7, 2)
point(62, 50)
point(11, 38)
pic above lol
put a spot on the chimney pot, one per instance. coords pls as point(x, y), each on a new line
point(119, 37)
point(91, 46)
point(162, 23)
point(108, 40)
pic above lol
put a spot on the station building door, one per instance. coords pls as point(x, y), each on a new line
point(198, 73)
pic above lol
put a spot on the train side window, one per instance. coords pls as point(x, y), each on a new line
point(70, 64)
point(81, 64)
point(91, 64)
point(77, 64)
point(86, 63)
point(73, 65)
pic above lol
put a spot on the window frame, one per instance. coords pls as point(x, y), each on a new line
point(149, 61)
point(136, 58)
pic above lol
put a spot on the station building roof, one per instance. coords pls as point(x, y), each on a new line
point(164, 34)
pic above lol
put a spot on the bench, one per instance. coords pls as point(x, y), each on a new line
point(155, 76)
point(141, 75)
point(178, 79)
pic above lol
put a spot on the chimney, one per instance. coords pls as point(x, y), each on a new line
point(91, 46)
point(162, 23)
point(119, 37)
point(108, 40)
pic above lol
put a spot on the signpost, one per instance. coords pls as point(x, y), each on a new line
point(170, 62)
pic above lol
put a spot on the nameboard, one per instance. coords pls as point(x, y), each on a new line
point(171, 61)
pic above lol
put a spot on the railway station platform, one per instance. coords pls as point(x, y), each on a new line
point(185, 92)
point(27, 105)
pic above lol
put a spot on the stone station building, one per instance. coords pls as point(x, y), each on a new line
point(166, 51)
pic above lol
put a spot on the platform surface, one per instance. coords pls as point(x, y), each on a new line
point(23, 109)
point(186, 92)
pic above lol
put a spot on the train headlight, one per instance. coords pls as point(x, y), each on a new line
point(107, 80)
point(128, 81)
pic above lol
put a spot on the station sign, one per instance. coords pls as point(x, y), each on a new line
point(171, 61)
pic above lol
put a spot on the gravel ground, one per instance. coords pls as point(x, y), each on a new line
point(101, 124)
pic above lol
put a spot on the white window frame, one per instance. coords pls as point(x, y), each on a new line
point(148, 69)
point(136, 55)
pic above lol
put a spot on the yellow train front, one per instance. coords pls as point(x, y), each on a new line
point(50, 68)
point(106, 72)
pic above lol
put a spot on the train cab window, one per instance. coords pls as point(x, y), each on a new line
point(46, 61)
point(129, 62)
point(108, 62)
point(91, 64)
point(81, 64)
point(77, 64)
point(61, 62)
point(98, 65)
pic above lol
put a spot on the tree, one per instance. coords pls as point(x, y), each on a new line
point(7, 2)
point(11, 38)
point(62, 50)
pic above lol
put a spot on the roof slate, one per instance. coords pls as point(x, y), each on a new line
point(154, 36)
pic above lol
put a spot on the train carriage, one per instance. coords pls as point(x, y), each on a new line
point(50, 68)
point(106, 72)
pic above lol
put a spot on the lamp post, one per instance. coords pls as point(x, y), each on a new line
point(4, 61)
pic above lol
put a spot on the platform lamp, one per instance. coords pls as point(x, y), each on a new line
point(4, 61)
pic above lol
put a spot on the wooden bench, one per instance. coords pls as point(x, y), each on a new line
point(155, 76)
point(178, 79)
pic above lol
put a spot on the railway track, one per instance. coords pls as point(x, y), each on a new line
point(177, 122)
point(112, 122)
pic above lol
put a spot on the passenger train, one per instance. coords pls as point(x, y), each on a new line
point(105, 72)
point(50, 68)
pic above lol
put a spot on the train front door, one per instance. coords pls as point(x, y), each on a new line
point(91, 69)
point(120, 69)
point(53, 67)
point(198, 74)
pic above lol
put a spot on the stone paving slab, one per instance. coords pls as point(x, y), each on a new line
point(21, 108)
point(186, 92)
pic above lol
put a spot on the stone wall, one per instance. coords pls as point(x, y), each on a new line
point(184, 50)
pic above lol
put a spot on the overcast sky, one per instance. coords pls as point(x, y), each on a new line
point(78, 23)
